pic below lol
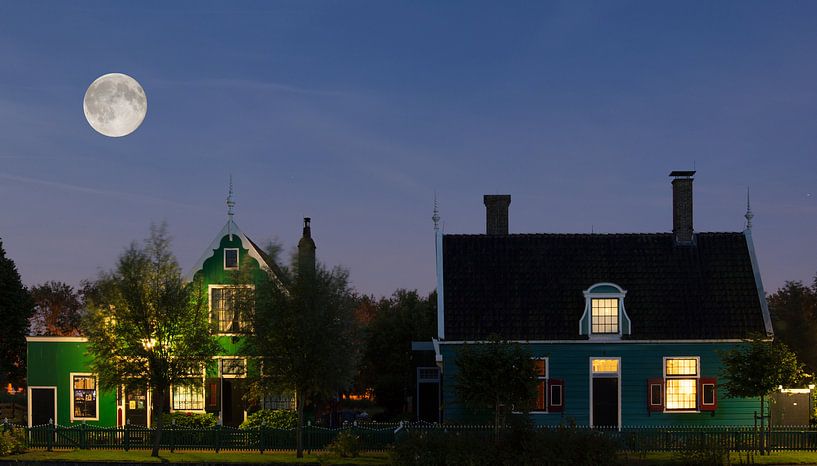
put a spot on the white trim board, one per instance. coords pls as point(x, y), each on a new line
point(33, 339)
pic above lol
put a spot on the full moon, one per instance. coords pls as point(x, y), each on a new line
point(115, 105)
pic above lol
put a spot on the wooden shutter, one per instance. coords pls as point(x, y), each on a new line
point(556, 395)
point(708, 394)
point(212, 396)
point(655, 395)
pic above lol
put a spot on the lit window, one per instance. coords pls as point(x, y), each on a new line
point(188, 397)
point(540, 369)
point(231, 259)
point(681, 383)
point(226, 305)
point(605, 366)
point(83, 388)
point(604, 315)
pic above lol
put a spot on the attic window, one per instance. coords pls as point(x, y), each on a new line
point(604, 315)
point(231, 259)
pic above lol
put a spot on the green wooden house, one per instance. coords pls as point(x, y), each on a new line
point(625, 329)
point(62, 389)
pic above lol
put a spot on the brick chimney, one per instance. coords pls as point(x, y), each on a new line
point(496, 213)
point(306, 251)
point(682, 206)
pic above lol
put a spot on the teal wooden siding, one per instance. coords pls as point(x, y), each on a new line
point(639, 362)
point(50, 364)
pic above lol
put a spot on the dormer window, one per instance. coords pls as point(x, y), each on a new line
point(604, 315)
point(231, 259)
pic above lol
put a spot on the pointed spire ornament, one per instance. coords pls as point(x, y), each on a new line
point(749, 215)
point(230, 205)
point(436, 217)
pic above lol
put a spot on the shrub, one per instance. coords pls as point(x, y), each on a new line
point(346, 445)
point(189, 420)
point(272, 419)
point(12, 442)
point(703, 452)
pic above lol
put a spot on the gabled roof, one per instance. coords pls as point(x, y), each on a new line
point(530, 286)
point(230, 228)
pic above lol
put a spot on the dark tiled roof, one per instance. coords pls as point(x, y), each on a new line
point(529, 286)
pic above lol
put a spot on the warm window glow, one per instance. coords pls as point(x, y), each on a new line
point(681, 393)
point(601, 366)
point(682, 366)
point(681, 383)
point(226, 306)
point(188, 397)
point(84, 388)
point(604, 315)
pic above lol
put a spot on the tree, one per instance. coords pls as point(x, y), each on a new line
point(16, 308)
point(497, 375)
point(793, 309)
point(758, 369)
point(57, 311)
point(304, 333)
point(146, 326)
point(394, 323)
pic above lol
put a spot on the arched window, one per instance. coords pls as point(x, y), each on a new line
point(604, 314)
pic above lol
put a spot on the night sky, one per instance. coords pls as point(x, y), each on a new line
point(354, 113)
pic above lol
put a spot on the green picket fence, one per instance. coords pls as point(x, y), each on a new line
point(378, 437)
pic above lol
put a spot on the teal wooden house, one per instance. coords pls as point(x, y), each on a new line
point(62, 389)
point(625, 329)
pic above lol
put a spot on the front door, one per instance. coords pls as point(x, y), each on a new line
point(232, 404)
point(43, 406)
point(604, 393)
point(136, 407)
point(605, 402)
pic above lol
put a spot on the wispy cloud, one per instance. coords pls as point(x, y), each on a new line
point(96, 191)
point(252, 84)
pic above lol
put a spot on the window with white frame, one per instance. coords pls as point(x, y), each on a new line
point(230, 306)
point(233, 367)
point(681, 376)
point(230, 258)
point(83, 397)
point(188, 397)
point(604, 315)
point(540, 368)
point(278, 401)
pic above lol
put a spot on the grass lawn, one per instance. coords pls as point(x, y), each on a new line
point(782, 457)
point(143, 456)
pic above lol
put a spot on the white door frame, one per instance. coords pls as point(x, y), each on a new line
point(600, 376)
point(50, 387)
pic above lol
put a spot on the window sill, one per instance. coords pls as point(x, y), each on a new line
point(83, 419)
point(681, 411)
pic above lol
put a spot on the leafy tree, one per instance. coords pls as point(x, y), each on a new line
point(393, 324)
point(758, 369)
point(146, 326)
point(497, 375)
point(304, 333)
point(793, 309)
point(16, 308)
point(57, 311)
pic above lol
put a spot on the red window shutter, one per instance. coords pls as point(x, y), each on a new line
point(708, 394)
point(655, 395)
point(556, 395)
point(212, 398)
point(541, 397)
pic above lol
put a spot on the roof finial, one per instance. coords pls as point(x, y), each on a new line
point(436, 217)
point(749, 215)
point(230, 205)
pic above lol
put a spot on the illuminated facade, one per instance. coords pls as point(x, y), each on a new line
point(62, 388)
point(625, 329)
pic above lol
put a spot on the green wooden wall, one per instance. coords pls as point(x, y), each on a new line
point(639, 362)
point(50, 364)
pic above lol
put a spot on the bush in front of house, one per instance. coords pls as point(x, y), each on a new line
point(346, 445)
point(271, 419)
point(189, 420)
point(12, 442)
point(526, 446)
